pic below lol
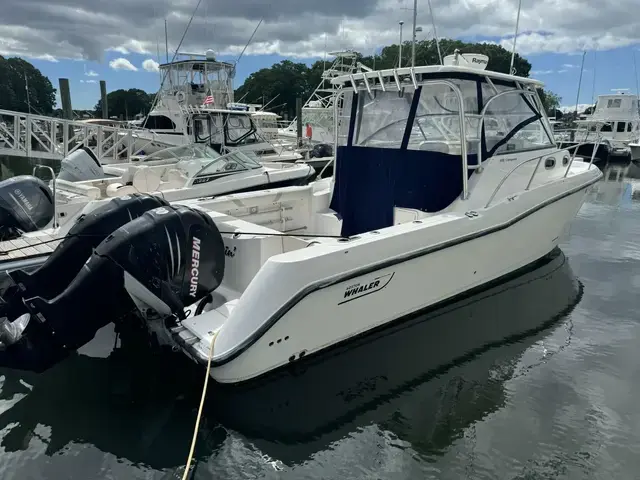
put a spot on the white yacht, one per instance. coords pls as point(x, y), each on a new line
point(425, 204)
point(614, 124)
point(198, 87)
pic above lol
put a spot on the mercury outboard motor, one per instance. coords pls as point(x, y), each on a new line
point(53, 276)
point(170, 256)
point(26, 205)
point(80, 165)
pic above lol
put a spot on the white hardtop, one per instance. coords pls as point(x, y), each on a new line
point(618, 105)
point(427, 70)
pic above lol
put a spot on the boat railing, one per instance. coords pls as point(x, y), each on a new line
point(28, 135)
point(483, 113)
point(539, 160)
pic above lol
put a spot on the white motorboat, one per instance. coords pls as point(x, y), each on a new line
point(176, 173)
point(611, 130)
point(254, 282)
point(634, 148)
point(197, 87)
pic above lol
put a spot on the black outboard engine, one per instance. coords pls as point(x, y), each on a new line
point(26, 205)
point(168, 258)
point(65, 262)
point(321, 150)
point(80, 165)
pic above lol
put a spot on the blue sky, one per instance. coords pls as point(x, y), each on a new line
point(560, 72)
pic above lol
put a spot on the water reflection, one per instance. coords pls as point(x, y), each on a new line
point(416, 386)
point(424, 381)
point(620, 184)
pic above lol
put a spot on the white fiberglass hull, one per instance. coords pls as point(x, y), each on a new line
point(316, 301)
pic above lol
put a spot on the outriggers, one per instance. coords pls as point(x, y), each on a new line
point(447, 179)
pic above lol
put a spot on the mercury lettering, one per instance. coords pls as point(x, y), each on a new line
point(195, 267)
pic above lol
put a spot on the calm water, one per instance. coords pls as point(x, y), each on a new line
point(537, 378)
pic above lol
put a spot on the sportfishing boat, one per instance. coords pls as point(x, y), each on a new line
point(245, 284)
point(608, 133)
point(197, 91)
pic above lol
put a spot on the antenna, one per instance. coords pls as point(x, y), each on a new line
point(593, 87)
point(247, 45)
point(413, 43)
point(155, 100)
point(584, 53)
point(166, 38)
point(400, 46)
point(635, 66)
point(435, 32)
point(515, 38)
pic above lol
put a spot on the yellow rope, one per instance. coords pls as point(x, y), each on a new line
point(197, 426)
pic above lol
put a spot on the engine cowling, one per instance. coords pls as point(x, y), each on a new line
point(80, 165)
point(26, 205)
point(53, 276)
point(167, 258)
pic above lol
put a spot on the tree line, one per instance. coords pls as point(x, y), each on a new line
point(23, 86)
point(287, 80)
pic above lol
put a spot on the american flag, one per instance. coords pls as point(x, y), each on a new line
point(208, 100)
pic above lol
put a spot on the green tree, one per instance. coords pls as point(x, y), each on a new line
point(285, 80)
point(427, 54)
point(550, 100)
point(16, 75)
point(289, 80)
point(126, 104)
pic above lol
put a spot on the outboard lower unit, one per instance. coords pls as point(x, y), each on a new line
point(26, 205)
point(167, 258)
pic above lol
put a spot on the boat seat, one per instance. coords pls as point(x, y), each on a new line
point(93, 193)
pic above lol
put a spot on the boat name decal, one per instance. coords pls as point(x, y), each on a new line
point(203, 179)
point(361, 289)
point(512, 159)
point(195, 267)
point(229, 252)
point(208, 178)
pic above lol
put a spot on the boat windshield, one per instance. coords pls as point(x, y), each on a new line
point(234, 161)
point(194, 151)
point(512, 122)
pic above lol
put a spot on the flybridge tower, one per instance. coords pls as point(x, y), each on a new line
point(191, 78)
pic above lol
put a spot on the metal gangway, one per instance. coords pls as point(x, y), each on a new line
point(36, 136)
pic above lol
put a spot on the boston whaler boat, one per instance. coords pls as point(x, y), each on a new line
point(425, 204)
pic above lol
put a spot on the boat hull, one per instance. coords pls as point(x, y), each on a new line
point(635, 151)
point(343, 310)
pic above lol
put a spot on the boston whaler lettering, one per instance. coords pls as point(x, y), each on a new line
point(422, 208)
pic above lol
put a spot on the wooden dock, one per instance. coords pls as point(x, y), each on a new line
point(29, 247)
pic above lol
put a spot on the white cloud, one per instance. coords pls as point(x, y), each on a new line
point(150, 65)
point(91, 73)
point(88, 81)
point(572, 108)
point(541, 72)
point(122, 64)
point(570, 65)
point(85, 29)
